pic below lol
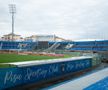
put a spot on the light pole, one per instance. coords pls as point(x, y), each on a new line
point(12, 10)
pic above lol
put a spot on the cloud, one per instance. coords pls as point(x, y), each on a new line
point(71, 19)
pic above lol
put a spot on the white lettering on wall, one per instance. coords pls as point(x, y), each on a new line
point(10, 77)
point(70, 66)
point(53, 69)
point(32, 73)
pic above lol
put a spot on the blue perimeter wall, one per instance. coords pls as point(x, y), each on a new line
point(10, 77)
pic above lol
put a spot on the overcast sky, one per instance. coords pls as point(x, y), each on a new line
point(70, 19)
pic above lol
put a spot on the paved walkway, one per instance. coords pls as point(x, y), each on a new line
point(83, 82)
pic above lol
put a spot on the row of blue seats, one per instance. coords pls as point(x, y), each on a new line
point(6, 45)
point(91, 45)
point(85, 45)
point(93, 49)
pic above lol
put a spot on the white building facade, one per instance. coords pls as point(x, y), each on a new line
point(35, 38)
point(8, 37)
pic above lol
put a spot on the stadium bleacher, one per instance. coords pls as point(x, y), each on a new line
point(14, 45)
point(90, 46)
point(76, 46)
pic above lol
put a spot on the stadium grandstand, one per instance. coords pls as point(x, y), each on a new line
point(95, 46)
point(81, 45)
point(100, 46)
point(14, 45)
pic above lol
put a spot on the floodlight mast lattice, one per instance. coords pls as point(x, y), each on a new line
point(12, 10)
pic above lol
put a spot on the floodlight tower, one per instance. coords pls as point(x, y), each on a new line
point(12, 10)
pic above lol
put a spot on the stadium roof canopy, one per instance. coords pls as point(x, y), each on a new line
point(89, 40)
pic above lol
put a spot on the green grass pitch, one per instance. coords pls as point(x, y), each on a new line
point(5, 58)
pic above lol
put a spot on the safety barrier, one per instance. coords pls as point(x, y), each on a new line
point(11, 77)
